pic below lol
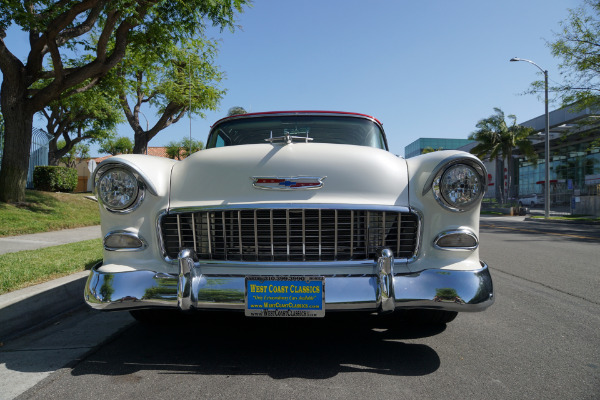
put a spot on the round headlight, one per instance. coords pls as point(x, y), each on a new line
point(118, 189)
point(460, 187)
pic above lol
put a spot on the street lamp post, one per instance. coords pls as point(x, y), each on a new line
point(547, 141)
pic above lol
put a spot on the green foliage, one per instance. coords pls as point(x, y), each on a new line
point(184, 148)
point(119, 145)
point(430, 149)
point(27, 268)
point(78, 152)
point(54, 179)
point(498, 139)
point(237, 110)
point(47, 211)
point(577, 44)
point(175, 79)
point(92, 116)
point(83, 42)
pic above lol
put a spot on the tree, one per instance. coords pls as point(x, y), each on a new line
point(430, 149)
point(97, 33)
point(92, 115)
point(498, 140)
point(237, 110)
point(79, 151)
point(578, 45)
point(184, 148)
point(173, 79)
point(119, 145)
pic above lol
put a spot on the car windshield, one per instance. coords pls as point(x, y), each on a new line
point(301, 128)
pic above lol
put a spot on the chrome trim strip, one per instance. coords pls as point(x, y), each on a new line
point(110, 163)
point(467, 232)
point(186, 258)
point(179, 229)
point(452, 290)
point(194, 232)
point(141, 181)
point(319, 179)
point(419, 236)
point(255, 233)
point(351, 233)
point(335, 235)
point(443, 166)
point(136, 235)
point(385, 279)
point(295, 206)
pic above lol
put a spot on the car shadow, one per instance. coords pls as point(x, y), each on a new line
point(279, 348)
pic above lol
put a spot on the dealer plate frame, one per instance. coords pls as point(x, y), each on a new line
point(266, 296)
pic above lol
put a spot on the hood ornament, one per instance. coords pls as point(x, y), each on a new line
point(288, 183)
point(288, 137)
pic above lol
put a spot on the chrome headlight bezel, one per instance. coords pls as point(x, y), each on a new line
point(469, 166)
point(137, 191)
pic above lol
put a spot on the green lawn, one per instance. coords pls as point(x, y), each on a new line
point(26, 268)
point(47, 211)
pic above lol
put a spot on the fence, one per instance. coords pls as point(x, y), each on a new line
point(39, 152)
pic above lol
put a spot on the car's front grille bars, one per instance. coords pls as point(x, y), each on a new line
point(269, 235)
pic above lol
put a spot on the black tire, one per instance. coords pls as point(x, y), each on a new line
point(428, 317)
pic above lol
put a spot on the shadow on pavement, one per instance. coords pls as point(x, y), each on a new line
point(280, 348)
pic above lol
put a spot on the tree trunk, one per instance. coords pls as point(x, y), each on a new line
point(18, 124)
point(140, 145)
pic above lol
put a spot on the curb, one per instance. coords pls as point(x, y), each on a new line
point(26, 308)
point(561, 221)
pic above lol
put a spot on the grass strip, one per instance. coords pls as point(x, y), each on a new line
point(47, 211)
point(27, 268)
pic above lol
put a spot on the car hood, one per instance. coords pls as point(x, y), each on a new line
point(352, 175)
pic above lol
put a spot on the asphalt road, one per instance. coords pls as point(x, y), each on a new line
point(540, 340)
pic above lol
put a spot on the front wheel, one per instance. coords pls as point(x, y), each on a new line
point(428, 317)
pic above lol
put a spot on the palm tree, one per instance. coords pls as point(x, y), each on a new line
point(498, 139)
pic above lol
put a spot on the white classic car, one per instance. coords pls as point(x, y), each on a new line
point(292, 214)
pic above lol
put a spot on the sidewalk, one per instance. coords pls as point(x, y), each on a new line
point(36, 241)
point(29, 307)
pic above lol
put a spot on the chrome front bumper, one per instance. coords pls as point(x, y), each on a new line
point(384, 291)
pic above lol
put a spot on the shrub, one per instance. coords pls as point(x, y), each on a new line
point(55, 179)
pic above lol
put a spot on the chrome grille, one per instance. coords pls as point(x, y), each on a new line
point(270, 235)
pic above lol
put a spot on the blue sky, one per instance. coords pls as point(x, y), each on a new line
point(424, 68)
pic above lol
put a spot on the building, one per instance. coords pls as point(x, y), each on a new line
point(574, 160)
point(417, 147)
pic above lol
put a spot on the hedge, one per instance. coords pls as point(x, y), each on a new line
point(54, 179)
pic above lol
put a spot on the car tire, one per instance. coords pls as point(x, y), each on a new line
point(428, 317)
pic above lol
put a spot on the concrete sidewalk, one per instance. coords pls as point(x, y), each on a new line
point(26, 308)
point(36, 241)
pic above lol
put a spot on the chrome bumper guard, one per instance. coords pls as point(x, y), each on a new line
point(463, 291)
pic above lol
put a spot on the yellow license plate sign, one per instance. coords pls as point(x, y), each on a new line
point(285, 296)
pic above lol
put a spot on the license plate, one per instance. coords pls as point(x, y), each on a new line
point(285, 296)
